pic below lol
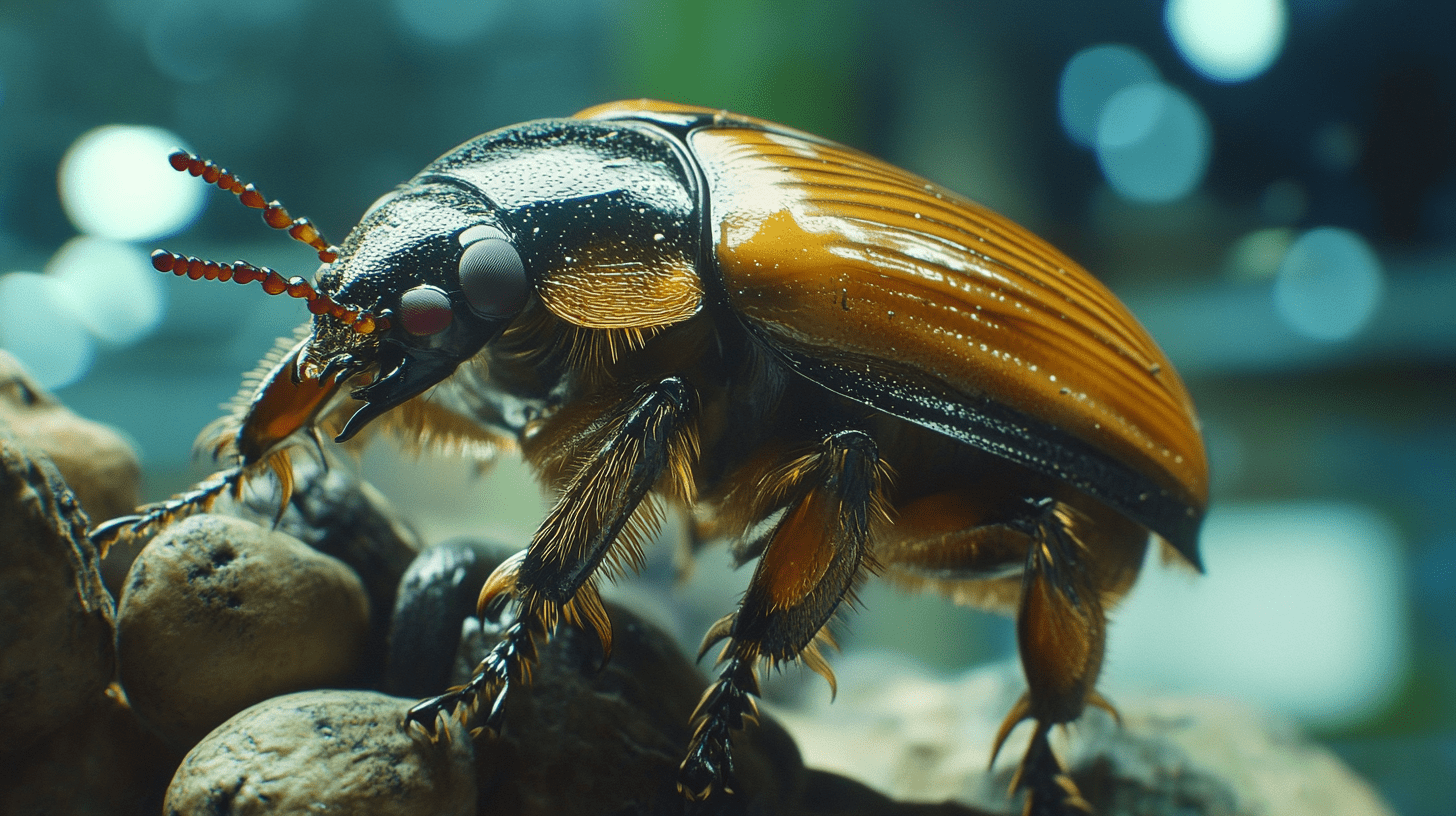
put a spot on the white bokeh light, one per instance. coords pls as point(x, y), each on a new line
point(115, 183)
point(1302, 612)
point(1091, 77)
point(1227, 40)
point(1153, 143)
point(110, 287)
point(42, 331)
point(1329, 284)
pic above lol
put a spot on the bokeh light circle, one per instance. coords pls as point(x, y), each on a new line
point(1090, 78)
point(1153, 143)
point(1227, 40)
point(41, 330)
point(1329, 284)
point(111, 287)
point(115, 183)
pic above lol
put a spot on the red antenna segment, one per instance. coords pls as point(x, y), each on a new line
point(273, 284)
point(242, 271)
point(274, 215)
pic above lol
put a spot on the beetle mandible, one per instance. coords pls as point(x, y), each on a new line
point(837, 365)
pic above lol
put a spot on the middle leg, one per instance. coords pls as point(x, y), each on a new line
point(833, 498)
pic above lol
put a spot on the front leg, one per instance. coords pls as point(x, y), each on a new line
point(647, 440)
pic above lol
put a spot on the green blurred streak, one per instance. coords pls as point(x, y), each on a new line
point(791, 61)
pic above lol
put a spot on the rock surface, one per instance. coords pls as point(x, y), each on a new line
point(95, 460)
point(338, 514)
point(219, 613)
point(319, 752)
point(103, 763)
point(919, 738)
point(437, 593)
point(587, 738)
point(56, 649)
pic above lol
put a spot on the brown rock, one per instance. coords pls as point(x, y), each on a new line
point(338, 514)
point(584, 738)
point(103, 763)
point(56, 650)
point(317, 752)
point(219, 613)
point(96, 461)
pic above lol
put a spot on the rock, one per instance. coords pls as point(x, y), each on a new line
point(96, 461)
point(1176, 751)
point(584, 738)
point(219, 613)
point(437, 593)
point(339, 515)
point(317, 752)
point(56, 649)
point(914, 737)
point(103, 763)
point(587, 738)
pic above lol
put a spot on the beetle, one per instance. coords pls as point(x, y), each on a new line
point(837, 365)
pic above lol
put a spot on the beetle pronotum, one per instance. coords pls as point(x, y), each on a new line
point(839, 366)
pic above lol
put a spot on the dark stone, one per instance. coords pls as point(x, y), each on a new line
point(588, 737)
point(436, 595)
point(103, 763)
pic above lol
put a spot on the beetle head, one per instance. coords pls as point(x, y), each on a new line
point(444, 278)
point(421, 285)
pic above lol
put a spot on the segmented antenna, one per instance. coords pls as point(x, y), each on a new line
point(301, 229)
point(274, 215)
point(273, 284)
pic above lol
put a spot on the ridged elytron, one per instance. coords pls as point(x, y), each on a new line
point(840, 367)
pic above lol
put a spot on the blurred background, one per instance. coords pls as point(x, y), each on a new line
point(1267, 183)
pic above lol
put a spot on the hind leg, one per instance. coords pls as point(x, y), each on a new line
point(1055, 568)
point(1061, 635)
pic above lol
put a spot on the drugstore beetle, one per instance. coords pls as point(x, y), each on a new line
point(838, 366)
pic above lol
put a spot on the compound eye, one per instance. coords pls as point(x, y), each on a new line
point(492, 275)
point(425, 310)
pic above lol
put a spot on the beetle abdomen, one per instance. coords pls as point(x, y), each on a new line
point(915, 301)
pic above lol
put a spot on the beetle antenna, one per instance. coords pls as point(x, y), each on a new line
point(274, 215)
point(273, 284)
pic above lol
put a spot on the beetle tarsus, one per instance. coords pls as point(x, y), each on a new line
point(1049, 790)
point(726, 706)
point(507, 662)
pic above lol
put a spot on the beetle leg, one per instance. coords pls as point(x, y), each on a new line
point(1060, 629)
point(811, 562)
point(649, 437)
